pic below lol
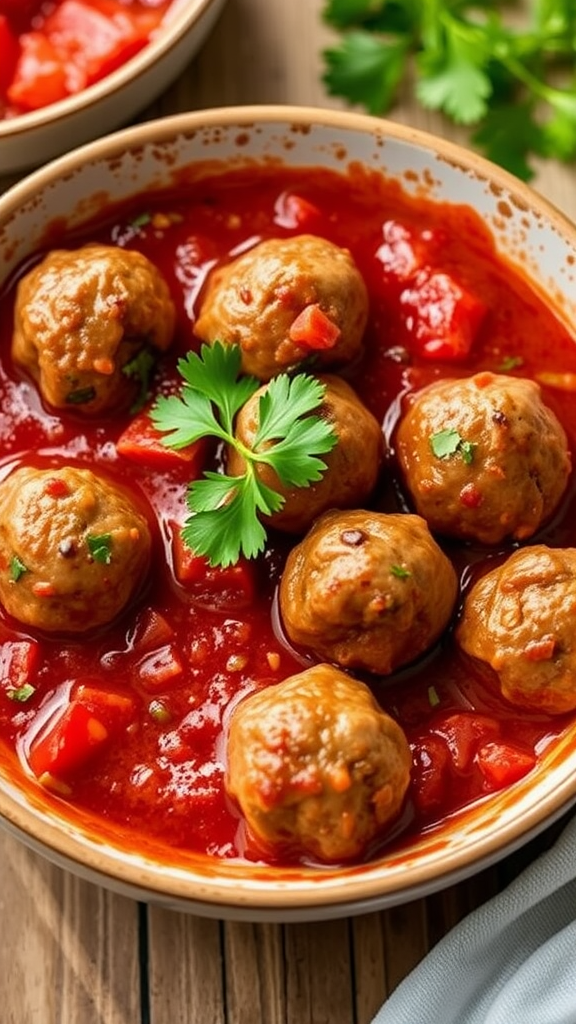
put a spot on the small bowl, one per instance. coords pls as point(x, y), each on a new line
point(32, 139)
point(527, 230)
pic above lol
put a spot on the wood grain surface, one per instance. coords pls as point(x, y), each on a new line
point(73, 953)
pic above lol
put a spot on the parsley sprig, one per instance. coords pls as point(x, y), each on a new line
point(226, 510)
point(514, 85)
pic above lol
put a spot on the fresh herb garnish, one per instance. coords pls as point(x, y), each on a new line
point(141, 220)
point(17, 568)
point(449, 442)
point(21, 693)
point(433, 697)
point(81, 396)
point(510, 363)
point(226, 510)
point(100, 547)
point(513, 84)
point(400, 572)
point(140, 367)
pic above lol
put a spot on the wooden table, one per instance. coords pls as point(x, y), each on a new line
point(73, 953)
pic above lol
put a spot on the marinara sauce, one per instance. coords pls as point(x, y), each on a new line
point(163, 678)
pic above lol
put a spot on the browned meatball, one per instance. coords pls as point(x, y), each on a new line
point(73, 548)
point(316, 765)
point(352, 467)
point(367, 590)
point(484, 458)
point(254, 301)
point(83, 317)
point(520, 619)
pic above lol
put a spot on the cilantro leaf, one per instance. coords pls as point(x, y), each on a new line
point(512, 81)
point(225, 510)
point(365, 70)
point(449, 442)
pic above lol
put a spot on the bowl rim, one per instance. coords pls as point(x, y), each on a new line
point(364, 886)
point(180, 18)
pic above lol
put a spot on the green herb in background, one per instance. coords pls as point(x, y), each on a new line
point(513, 83)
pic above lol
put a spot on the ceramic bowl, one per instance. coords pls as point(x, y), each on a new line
point(528, 230)
point(32, 139)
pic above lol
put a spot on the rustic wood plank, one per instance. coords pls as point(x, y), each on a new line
point(319, 973)
point(185, 965)
point(72, 953)
point(255, 973)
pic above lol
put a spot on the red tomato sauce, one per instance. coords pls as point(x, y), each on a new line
point(162, 679)
point(52, 49)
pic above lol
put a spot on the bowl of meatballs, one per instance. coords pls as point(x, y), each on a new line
point(287, 554)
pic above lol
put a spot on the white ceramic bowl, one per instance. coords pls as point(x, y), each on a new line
point(143, 159)
point(33, 139)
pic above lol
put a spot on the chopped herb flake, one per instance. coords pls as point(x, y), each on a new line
point(449, 442)
point(140, 367)
point(400, 572)
point(141, 220)
point(81, 396)
point(433, 697)
point(510, 363)
point(22, 693)
point(100, 547)
point(17, 568)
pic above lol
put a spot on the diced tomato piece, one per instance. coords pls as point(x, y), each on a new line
point(442, 316)
point(502, 764)
point(313, 329)
point(213, 586)
point(97, 39)
point(40, 77)
point(292, 211)
point(71, 737)
point(18, 663)
point(431, 773)
point(464, 732)
point(151, 630)
point(141, 442)
point(10, 51)
point(405, 251)
point(160, 668)
point(116, 709)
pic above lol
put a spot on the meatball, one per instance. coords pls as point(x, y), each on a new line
point(367, 590)
point(316, 765)
point(73, 548)
point(352, 467)
point(519, 619)
point(483, 458)
point(254, 301)
point(83, 318)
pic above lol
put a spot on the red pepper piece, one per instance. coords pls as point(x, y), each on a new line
point(313, 329)
point(464, 732)
point(10, 50)
point(502, 764)
point(141, 442)
point(213, 586)
point(430, 777)
point(18, 663)
point(40, 77)
point(71, 737)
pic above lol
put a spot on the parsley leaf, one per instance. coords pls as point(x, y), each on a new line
point(100, 547)
point(226, 510)
point(17, 568)
point(512, 82)
point(449, 442)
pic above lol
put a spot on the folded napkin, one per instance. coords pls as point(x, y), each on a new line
point(511, 961)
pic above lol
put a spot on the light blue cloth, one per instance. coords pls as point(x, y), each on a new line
point(511, 961)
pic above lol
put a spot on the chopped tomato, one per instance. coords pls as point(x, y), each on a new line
point(292, 211)
point(441, 315)
point(502, 764)
point(464, 732)
point(71, 737)
point(141, 442)
point(150, 630)
point(116, 709)
point(18, 663)
point(96, 38)
point(40, 77)
point(313, 329)
point(10, 50)
point(160, 668)
point(213, 586)
point(432, 762)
